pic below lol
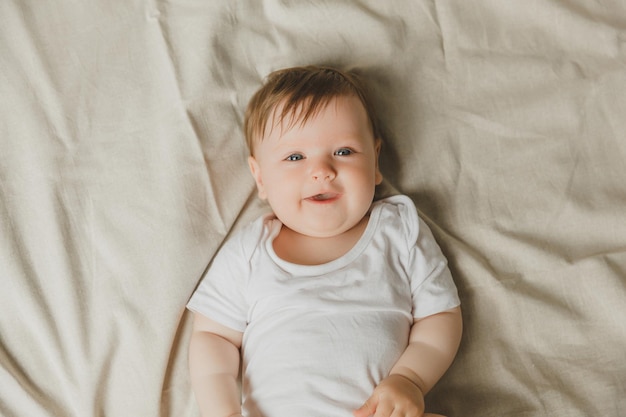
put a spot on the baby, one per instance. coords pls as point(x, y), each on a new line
point(333, 304)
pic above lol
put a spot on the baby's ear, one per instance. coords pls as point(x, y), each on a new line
point(255, 170)
point(377, 145)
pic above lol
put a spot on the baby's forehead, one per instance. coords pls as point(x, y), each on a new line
point(290, 113)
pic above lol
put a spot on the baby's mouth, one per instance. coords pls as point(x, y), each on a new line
point(323, 197)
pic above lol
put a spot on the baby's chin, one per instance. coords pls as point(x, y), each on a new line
point(318, 234)
point(324, 231)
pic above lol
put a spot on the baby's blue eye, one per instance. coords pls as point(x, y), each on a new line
point(344, 152)
point(294, 157)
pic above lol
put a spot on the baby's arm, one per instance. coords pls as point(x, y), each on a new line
point(214, 367)
point(433, 343)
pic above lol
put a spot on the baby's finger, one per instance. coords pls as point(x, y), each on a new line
point(367, 409)
point(384, 409)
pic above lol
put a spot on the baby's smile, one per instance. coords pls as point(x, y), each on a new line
point(324, 197)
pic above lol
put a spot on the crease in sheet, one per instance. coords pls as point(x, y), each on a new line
point(156, 18)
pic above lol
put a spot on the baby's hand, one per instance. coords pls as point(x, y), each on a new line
point(395, 396)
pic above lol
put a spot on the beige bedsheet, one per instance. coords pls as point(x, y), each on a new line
point(122, 169)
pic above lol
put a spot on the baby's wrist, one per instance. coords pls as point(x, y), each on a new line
point(413, 381)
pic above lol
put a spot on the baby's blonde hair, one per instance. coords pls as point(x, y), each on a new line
point(301, 91)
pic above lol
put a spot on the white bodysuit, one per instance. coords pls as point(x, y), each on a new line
point(318, 339)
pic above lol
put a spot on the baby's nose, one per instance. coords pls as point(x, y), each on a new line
point(323, 171)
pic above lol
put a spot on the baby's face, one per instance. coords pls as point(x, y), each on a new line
point(319, 177)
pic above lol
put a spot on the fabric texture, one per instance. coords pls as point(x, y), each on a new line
point(319, 338)
point(123, 170)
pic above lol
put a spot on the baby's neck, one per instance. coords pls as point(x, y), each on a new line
point(297, 248)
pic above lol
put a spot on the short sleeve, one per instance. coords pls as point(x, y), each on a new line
point(221, 293)
point(432, 287)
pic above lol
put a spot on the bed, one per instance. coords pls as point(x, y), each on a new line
point(123, 169)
